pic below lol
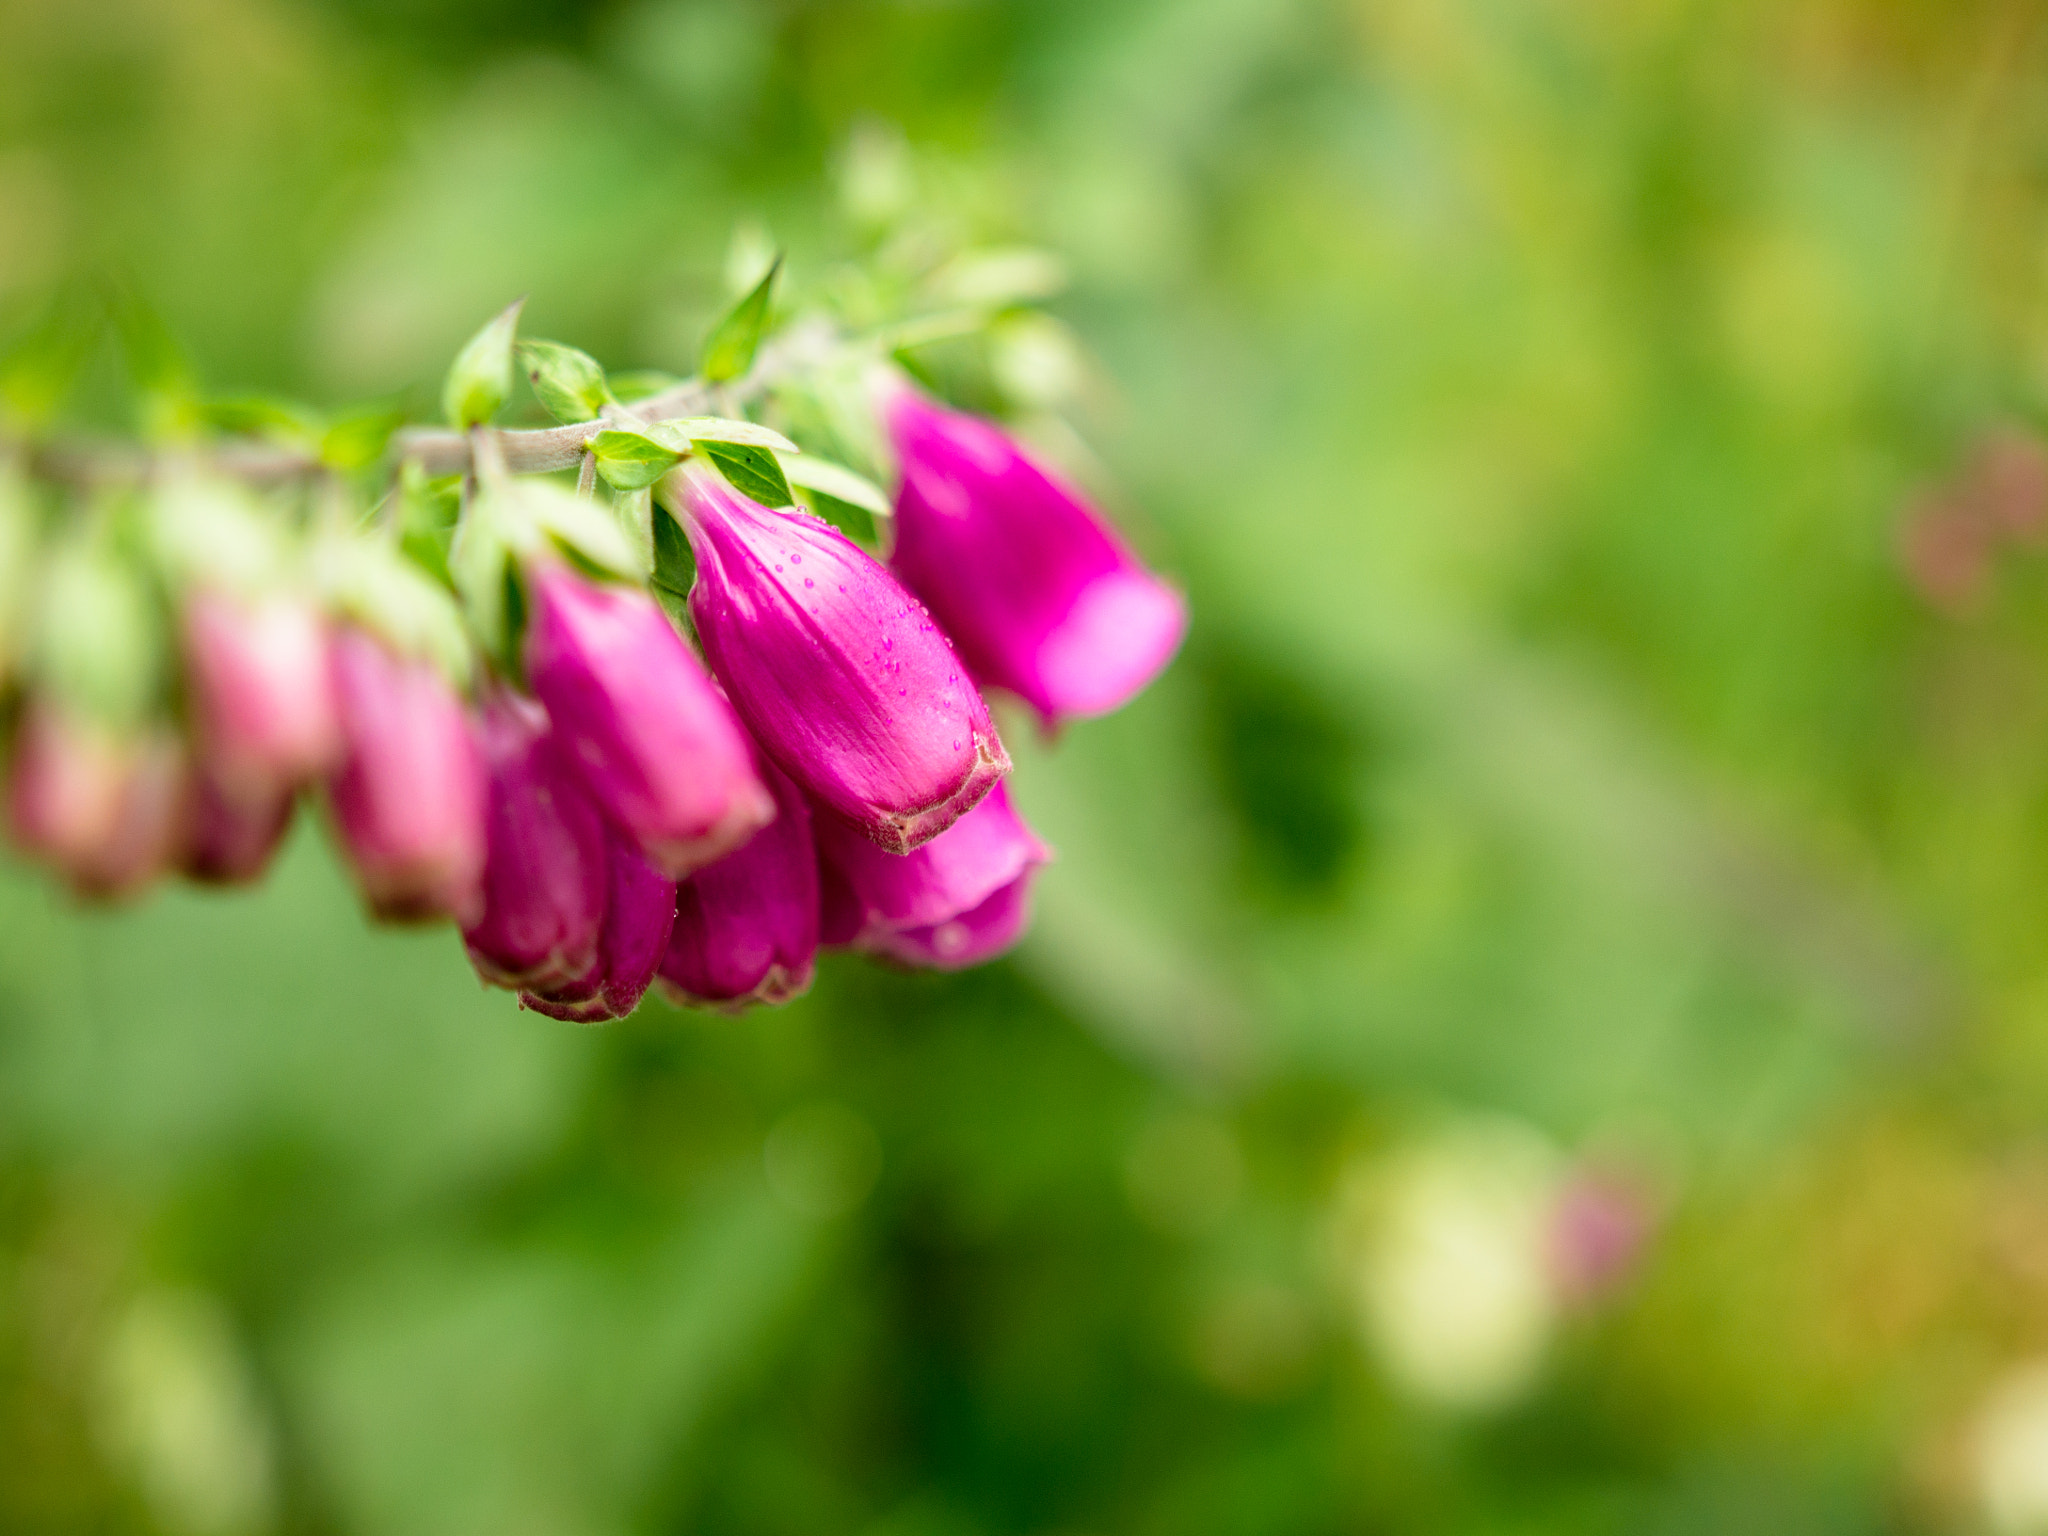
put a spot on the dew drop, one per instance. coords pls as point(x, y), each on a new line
point(808, 582)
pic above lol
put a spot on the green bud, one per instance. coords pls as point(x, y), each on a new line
point(730, 351)
point(569, 383)
point(480, 380)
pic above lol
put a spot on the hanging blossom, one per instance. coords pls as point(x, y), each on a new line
point(685, 734)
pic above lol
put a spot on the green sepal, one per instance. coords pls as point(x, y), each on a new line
point(634, 512)
point(731, 348)
point(633, 460)
point(675, 569)
point(479, 381)
point(811, 473)
point(203, 530)
point(365, 579)
point(513, 521)
point(752, 471)
point(723, 429)
point(581, 529)
point(568, 383)
point(427, 513)
point(99, 641)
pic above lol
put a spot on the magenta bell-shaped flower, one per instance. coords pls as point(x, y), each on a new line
point(106, 809)
point(1038, 592)
point(640, 909)
point(959, 900)
point(655, 744)
point(544, 872)
point(747, 927)
point(840, 674)
point(231, 840)
point(409, 796)
point(261, 700)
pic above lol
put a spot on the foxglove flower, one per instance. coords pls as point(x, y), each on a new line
point(261, 701)
point(1038, 592)
point(640, 909)
point(230, 840)
point(103, 808)
point(840, 674)
point(961, 899)
point(64, 784)
point(747, 927)
point(655, 744)
point(544, 872)
point(408, 798)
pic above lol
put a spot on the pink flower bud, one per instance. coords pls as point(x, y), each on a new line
point(231, 841)
point(262, 704)
point(1038, 592)
point(544, 874)
point(655, 744)
point(959, 900)
point(640, 909)
point(747, 927)
point(839, 673)
point(104, 808)
point(408, 799)
point(64, 785)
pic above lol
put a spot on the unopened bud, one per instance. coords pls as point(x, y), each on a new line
point(653, 741)
point(841, 676)
point(959, 900)
point(746, 927)
point(408, 798)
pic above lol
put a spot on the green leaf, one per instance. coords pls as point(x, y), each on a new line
point(836, 481)
point(569, 383)
point(156, 366)
point(721, 429)
point(998, 278)
point(638, 385)
point(39, 369)
point(358, 437)
point(480, 380)
point(753, 472)
point(632, 460)
point(730, 351)
point(262, 416)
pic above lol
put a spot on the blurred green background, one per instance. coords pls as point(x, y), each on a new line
point(1540, 1020)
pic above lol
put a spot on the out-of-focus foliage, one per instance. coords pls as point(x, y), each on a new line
point(1540, 1023)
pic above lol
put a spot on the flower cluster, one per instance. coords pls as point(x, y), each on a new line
point(683, 742)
